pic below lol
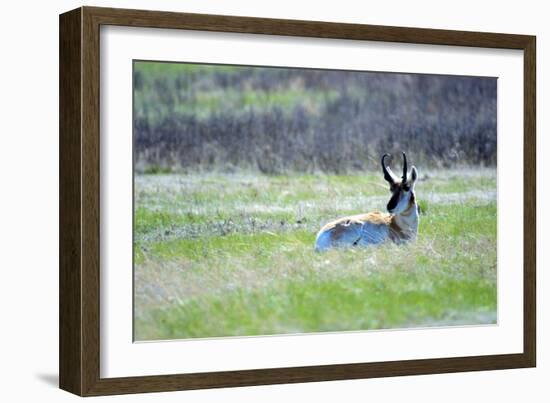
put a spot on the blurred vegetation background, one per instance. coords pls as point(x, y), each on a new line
point(192, 117)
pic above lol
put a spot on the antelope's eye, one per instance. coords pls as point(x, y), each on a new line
point(406, 188)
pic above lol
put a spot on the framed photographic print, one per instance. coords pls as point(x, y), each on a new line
point(249, 201)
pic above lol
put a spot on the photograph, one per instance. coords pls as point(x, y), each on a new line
point(284, 201)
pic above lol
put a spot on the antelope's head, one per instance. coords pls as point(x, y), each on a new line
point(402, 190)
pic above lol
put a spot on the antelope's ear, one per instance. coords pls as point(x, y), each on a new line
point(414, 176)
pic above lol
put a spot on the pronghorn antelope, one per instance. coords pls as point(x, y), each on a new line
point(400, 225)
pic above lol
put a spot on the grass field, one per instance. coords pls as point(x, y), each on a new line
point(232, 255)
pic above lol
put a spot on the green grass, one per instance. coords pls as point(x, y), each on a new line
point(165, 90)
point(231, 255)
point(176, 69)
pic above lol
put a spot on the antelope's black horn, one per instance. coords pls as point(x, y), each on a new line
point(387, 175)
point(404, 177)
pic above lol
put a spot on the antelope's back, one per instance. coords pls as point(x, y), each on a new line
point(358, 230)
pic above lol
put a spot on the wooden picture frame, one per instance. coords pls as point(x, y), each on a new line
point(79, 346)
